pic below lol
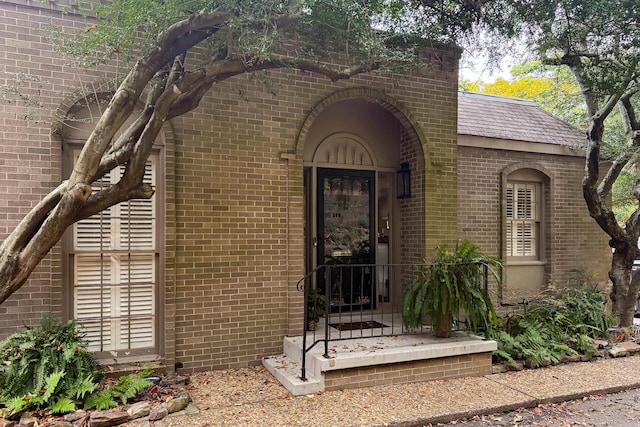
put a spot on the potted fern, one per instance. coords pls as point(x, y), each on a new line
point(449, 286)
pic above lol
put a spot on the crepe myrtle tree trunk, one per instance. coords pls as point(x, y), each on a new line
point(174, 92)
point(597, 188)
point(626, 286)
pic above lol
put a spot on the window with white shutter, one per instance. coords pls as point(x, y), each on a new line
point(523, 220)
point(114, 263)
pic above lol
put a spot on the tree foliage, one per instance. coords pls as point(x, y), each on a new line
point(553, 88)
point(178, 50)
point(599, 42)
point(556, 90)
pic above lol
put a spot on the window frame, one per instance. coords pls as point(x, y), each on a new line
point(70, 255)
point(516, 223)
point(525, 175)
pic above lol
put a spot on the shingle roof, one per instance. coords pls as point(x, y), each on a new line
point(512, 119)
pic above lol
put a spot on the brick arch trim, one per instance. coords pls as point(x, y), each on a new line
point(527, 165)
point(375, 96)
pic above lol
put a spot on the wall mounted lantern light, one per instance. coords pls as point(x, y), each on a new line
point(404, 181)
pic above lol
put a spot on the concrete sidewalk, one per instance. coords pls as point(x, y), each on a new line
point(251, 397)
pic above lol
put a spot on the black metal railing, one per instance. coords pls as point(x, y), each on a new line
point(357, 301)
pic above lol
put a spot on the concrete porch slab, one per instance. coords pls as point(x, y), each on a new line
point(367, 352)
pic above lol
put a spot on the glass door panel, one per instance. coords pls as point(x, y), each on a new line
point(345, 235)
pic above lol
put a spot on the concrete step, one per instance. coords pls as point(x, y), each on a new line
point(288, 372)
point(368, 353)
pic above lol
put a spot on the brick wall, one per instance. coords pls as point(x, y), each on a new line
point(234, 219)
point(30, 162)
point(574, 240)
point(239, 178)
point(471, 365)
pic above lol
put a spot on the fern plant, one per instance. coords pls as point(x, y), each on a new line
point(50, 368)
point(451, 285)
point(532, 340)
point(125, 389)
point(561, 322)
point(45, 367)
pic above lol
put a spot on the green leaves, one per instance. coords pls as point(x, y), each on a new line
point(359, 31)
point(130, 385)
point(45, 367)
point(452, 284)
point(62, 406)
point(101, 400)
point(562, 322)
point(49, 367)
point(126, 388)
point(51, 384)
point(83, 386)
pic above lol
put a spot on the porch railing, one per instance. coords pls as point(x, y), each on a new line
point(358, 301)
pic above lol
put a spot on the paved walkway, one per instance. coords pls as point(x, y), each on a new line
point(251, 397)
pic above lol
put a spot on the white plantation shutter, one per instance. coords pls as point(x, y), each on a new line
point(115, 272)
point(89, 234)
point(92, 297)
point(137, 300)
point(523, 219)
point(137, 218)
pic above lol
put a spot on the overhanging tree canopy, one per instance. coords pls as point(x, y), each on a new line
point(599, 41)
point(178, 51)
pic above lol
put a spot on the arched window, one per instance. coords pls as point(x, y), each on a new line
point(525, 222)
point(113, 274)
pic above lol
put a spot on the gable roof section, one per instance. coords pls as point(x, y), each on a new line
point(513, 119)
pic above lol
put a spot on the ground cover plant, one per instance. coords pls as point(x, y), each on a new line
point(49, 368)
point(561, 321)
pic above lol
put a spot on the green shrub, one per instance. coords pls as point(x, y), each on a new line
point(577, 307)
point(45, 367)
point(561, 322)
point(49, 367)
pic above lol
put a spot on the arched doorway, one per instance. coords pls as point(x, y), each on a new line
point(352, 152)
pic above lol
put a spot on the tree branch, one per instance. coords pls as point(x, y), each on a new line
point(111, 196)
point(612, 174)
point(33, 220)
point(179, 38)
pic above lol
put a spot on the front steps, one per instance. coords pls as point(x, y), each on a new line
point(369, 361)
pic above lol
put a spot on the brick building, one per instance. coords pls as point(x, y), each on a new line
point(248, 189)
point(520, 194)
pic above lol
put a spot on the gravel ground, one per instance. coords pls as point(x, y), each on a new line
point(252, 397)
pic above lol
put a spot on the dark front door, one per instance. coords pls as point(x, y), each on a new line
point(346, 236)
